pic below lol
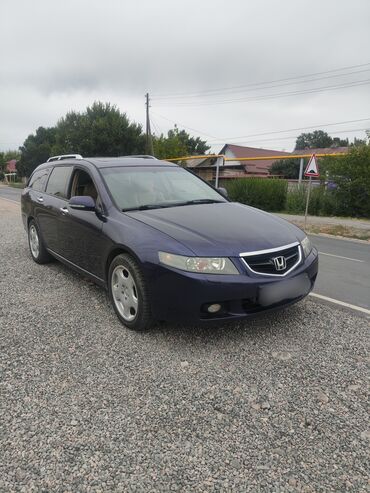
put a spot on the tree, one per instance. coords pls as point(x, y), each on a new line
point(313, 140)
point(102, 130)
point(178, 143)
point(288, 168)
point(337, 142)
point(358, 142)
point(351, 175)
point(36, 149)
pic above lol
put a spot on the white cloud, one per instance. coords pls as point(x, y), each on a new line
point(57, 56)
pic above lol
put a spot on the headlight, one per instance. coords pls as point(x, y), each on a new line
point(205, 265)
point(306, 246)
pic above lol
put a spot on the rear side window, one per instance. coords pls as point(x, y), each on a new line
point(59, 180)
point(38, 180)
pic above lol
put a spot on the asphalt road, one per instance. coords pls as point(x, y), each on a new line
point(344, 272)
point(10, 193)
point(275, 404)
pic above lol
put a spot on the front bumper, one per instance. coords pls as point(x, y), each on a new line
point(184, 296)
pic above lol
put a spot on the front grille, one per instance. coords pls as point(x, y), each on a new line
point(277, 262)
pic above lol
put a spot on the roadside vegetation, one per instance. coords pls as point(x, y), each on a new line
point(335, 230)
point(103, 130)
point(269, 195)
point(343, 191)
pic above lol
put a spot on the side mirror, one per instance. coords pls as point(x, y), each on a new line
point(82, 203)
point(223, 192)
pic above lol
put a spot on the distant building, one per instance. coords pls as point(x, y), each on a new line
point(11, 166)
point(236, 169)
point(253, 167)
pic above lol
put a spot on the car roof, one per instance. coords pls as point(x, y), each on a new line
point(110, 162)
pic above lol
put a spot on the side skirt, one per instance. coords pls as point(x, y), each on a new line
point(78, 269)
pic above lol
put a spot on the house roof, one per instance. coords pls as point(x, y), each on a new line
point(323, 150)
point(252, 166)
point(11, 166)
point(201, 162)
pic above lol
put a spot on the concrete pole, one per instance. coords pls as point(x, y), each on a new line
point(300, 171)
point(149, 141)
point(219, 162)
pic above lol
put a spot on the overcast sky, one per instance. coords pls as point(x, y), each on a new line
point(198, 55)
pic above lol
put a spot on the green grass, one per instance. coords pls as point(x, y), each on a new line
point(16, 185)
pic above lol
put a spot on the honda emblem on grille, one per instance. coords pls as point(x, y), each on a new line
point(279, 263)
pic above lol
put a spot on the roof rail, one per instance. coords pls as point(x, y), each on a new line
point(64, 156)
point(143, 156)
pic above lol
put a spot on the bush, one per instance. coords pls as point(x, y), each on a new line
point(296, 201)
point(266, 194)
point(323, 202)
point(16, 184)
point(351, 174)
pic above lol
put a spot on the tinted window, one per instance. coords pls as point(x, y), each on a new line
point(82, 184)
point(58, 181)
point(38, 180)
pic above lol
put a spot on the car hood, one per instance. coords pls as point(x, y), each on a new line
point(224, 229)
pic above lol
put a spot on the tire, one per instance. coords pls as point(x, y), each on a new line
point(37, 249)
point(129, 293)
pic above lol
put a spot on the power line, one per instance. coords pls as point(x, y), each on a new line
point(176, 122)
point(305, 81)
point(273, 96)
point(227, 139)
point(154, 124)
point(263, 133)
point(266, 82)
point(285, 138)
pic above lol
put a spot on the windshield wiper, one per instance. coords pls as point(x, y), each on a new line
point(201, 201)
point(147, 207)
point(143, 207)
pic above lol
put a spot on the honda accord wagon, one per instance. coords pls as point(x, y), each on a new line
point(163, 242)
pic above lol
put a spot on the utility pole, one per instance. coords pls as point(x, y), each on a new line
point(149, 141)
point(300, 171)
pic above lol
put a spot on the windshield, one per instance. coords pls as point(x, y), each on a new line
point(156, 187)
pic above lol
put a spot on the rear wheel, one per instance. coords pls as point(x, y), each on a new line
point(129, 293)
point(38, 251)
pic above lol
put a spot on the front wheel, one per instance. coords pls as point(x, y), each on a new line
point(129, 294)
point(38, 251)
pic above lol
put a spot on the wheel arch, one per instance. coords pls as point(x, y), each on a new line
point(117, 250)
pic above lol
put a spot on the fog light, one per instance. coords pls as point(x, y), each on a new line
point(214, 308)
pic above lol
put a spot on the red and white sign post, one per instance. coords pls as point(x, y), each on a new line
point(312, 170)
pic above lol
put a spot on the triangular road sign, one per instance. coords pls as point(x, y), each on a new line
point(312, 168)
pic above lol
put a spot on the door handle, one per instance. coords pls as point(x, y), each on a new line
point(64, 210)
point(40, 199)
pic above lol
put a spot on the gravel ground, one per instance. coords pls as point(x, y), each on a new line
point(274, 404)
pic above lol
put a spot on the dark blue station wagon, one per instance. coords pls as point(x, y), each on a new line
point(166, 244)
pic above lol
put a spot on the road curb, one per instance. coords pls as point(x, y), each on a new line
point(325, 235)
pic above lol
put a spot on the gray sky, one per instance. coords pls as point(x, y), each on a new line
point(58, 56)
